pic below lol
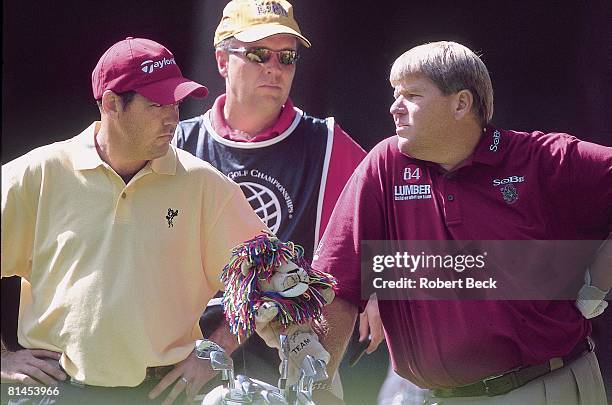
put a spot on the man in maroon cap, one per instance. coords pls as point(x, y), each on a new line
point(449, 175)
point(119, 239)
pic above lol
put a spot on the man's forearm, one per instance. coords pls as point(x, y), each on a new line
point(591, 296)
point(340, 318)
point(224, 338)
point(601, 269)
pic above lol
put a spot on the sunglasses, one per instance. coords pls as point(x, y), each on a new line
point(262, 55)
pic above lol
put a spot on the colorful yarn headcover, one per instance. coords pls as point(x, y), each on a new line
point(258, 259)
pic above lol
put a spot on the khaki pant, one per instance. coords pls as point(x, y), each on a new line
point(578, 383)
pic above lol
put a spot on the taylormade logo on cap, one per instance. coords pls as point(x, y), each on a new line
point(149, 65)
point(143, 66)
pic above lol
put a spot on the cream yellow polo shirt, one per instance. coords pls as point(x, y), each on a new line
point(115, 276)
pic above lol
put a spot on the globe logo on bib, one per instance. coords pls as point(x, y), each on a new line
point(264, 203)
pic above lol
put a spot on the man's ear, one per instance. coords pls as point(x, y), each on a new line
point(111, 103)
point(464, 101)
point(222, 58)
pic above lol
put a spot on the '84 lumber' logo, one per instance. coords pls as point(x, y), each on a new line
point(417, 187)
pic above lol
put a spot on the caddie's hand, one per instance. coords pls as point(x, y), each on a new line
point(371, 325)
point(32, 367)
point(189, 375)
point(591, 301)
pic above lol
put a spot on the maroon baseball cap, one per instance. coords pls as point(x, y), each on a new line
point(146, 67)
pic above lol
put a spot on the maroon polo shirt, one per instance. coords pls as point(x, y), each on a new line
point(561, 188)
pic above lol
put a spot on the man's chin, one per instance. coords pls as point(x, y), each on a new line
point(272, 98)
point(160, 151)
point(404, 146)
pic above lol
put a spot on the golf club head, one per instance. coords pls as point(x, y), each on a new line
point(220, 361)
point(205, 347)
point(313, 369)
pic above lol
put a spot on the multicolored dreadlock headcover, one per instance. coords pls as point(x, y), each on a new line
point(266, 270)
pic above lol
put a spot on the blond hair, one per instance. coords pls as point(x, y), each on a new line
point(452, 67)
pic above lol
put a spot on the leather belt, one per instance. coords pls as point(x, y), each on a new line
point(157, 373)
point(152, 374)
point(504, 383)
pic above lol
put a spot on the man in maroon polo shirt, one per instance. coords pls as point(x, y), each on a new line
point(449, 175)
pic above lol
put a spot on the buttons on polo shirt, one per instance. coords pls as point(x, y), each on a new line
point(123, 205)
point(452, 205)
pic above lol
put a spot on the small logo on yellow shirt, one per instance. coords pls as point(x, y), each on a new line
point(170, 217)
